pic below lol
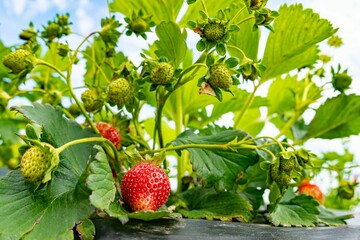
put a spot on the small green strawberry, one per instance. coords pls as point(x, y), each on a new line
point(287, 161)
point(92, 100)
point(51, 31)
point(341, 81)
point(256, 4)
point(52, 97)
point(74, 110)
point(17, 61)
point(214, 31)
point(37, 163)
point(346, 190)
point(120, 92)
point(139, 25)
point(220, 77)
point(281, 177)
point(162, 73)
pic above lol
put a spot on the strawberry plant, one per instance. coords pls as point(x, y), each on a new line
point(135, 128)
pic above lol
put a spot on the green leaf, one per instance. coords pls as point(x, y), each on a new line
point(116, 210)
point(221, 49)
point(293, 44)
point(254, 180)
point(32, 214)
point(251, 122)
point(209, 204)
point(169, 133)
point(171, 43)
point(215, 167)
point(213, 6)
point(284, 100)
point(150, 215)
point(300, 211)
point(8, 130)
point(338, 117)
point(160, 10)
point(328, 218)
point(86, 229)
point(231, 62)
point(101, 181)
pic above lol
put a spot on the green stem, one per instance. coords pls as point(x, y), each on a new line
point(246, 59)
point(204, 7)
point(247, 105)
point(288, 125)
point(107, 142)
point(245, 19)
point(69, 83)
point(266, 137)
point(181, 164)
point(236, 15)
point(79, 141)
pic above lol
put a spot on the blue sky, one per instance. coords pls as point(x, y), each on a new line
point(15, 15)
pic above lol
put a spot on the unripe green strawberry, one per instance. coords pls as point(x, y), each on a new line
point(120, 92)
point(287, 161)
point(139, 25)
point(53, 98)
point(283, 179)
point(92, 100)
point(346, 189)
point(214, 32)
point(162, 73)
point(220, 76)
point(74, 110)
point(303, 156)
point(256, 4)
point(287, 164)
point(341, 81)
point(145, 187)
point(36, 162)
point(51, 31)
point(17, 60)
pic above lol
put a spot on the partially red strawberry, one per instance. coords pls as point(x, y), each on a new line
point(110, 133)
point(312, 189)
point(145, 187)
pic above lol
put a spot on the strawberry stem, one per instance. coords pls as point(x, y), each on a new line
point(204, 7)
point(236, 15)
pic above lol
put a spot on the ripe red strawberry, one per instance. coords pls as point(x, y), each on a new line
point(108, 132)
point(145, 187)
point(311, 189)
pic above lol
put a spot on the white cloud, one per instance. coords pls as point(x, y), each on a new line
point(15, 6)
